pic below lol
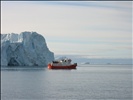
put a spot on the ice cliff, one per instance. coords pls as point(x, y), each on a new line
point(24, 49)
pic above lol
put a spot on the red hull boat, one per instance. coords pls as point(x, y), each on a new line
point(62, 64)
point(73, 66)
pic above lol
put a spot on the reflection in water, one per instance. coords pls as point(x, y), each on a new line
point(23, 68)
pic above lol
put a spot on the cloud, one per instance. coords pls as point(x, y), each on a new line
point(89, 25)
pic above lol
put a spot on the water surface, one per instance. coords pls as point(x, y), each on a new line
point(87, 82)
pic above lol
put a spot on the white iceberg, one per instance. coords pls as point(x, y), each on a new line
point(24, 49)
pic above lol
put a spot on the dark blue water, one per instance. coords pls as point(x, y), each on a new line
point(87, 82)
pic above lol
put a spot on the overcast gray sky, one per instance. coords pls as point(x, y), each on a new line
point(98, 29)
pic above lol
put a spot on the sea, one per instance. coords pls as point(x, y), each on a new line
point(87, 82)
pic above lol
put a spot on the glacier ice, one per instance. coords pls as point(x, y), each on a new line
point(24, 49)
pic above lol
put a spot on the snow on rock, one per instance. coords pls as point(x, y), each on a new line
point(24, 49)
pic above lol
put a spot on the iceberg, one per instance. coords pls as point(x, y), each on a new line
point(24, 49)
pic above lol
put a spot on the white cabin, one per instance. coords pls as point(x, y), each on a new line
point(62, 62)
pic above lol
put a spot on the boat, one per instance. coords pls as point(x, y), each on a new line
point(62, 64)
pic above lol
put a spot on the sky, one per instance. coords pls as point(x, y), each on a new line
point(98, 29)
